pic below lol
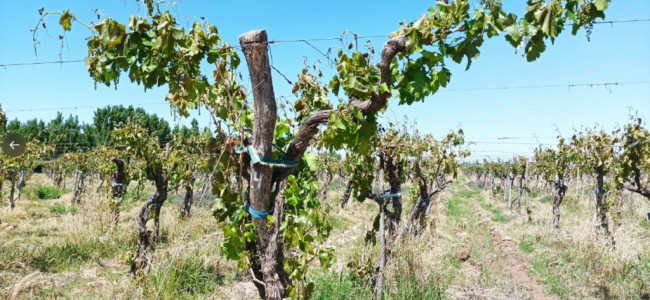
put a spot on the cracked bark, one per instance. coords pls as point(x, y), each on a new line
point(21, 184)
point(560, 191)
point(147, 245)
point(601, 213)
point(346, 194)
point(12, 202)
point(517, 202)
point(254, 46)
point(118, 189)
point(392, 219)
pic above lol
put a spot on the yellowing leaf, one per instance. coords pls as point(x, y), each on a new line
point(65, 20)
point(601, 5)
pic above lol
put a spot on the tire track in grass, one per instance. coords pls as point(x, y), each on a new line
point(513, 264)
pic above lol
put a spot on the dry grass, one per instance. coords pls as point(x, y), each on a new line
point(468, 250)
point(575, 263)
point(81, 255)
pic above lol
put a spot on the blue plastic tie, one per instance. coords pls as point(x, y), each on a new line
point(390, 195)
point(649, 216)
point(407, 228)
point(425, 203)
point(387, 191)
point(256, 214)
point(158, 204)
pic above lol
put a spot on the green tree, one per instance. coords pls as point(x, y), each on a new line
point(65, 134)
point(112, 117)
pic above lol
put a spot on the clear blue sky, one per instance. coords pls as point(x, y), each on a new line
point(616, 53)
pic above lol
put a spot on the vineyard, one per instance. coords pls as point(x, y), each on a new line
point(318, 197)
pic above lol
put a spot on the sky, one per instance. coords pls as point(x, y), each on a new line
point(505, 105)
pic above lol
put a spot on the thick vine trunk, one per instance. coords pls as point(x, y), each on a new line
point(560, 189)
point(118, 190)
point(517, 202)
point(346, 194)
point(328, 181)
point(416, 215)
point(392, 220)
point(99, 188)
point(21, 184)
point(269, 244)
point(58, 180)
point(512, 181)
point(147, 245)
point(378, 283)
point(12, 203)
point(601, 213)
point(187, 201)
point(74, 187)
point(80, 187)
point(255, 47)
point(419, 209)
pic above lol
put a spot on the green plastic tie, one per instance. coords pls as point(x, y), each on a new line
point(255, 159)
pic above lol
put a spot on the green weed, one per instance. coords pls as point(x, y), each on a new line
point(527, 244)
point(187, 279)
point(48, 192)
point(334, 286)
point(60, 209)
point(457, 209)
point(56, 257)
point(549, 277)
point(497, 214)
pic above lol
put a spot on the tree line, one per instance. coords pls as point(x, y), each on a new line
point(69, 134)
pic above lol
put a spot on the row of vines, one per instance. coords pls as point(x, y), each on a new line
point(267, 170)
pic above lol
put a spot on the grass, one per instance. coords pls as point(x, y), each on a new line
point(48, 192)
point(43, 192)
point(497, 214)
point(534, 192)
point(79, 253)
point(60, 209)
point(457, 209)
point(187, 278)
point(407, 288)
point(645, 224)
point(546, 199)
point(542, 268)
point(527, 244)
point(58, 257)
point(341, 287)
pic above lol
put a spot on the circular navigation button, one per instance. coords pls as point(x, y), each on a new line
point(13, 144)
